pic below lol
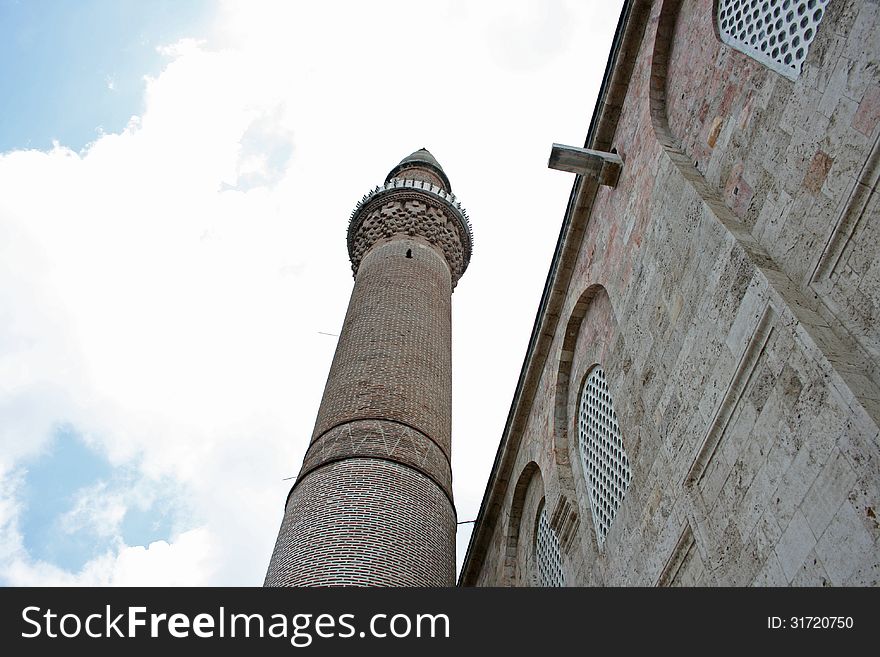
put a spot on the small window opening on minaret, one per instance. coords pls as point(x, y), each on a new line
point(409, 253)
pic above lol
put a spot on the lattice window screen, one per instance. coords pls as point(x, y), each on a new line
point(603, 457)
point(777, 33)
point(547, 552)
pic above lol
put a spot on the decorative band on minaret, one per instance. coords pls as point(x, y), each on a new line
point(372, 505)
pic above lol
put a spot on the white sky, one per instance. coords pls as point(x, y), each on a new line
point(163, 290)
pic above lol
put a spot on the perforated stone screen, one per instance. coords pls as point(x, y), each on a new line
point(547, 552)
point(777, 33)
point(603, 457)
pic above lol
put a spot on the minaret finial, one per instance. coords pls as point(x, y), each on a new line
point(421, 162)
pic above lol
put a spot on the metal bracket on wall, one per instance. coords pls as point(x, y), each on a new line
point(602, 167)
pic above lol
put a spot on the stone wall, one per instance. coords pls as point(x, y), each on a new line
point(728, 287)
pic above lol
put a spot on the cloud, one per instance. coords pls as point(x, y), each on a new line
point(189, 561)
point(530, 33)
point(265, 150)
point(95, 510)
point(121, 320)
point(166, 290)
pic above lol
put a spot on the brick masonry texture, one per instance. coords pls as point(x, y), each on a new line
point(372, 505)
point(382, 439)
point(729, 286)
point(393, 359)
point(365, 522)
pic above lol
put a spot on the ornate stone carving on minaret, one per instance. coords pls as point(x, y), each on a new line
point(416, 199)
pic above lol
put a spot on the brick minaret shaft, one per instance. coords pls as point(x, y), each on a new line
point(372, 504)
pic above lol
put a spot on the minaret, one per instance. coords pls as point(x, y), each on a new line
point(372, 505)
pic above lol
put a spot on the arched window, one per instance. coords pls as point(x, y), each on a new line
point(603, 457)
point(777, 33)
point(547, 552)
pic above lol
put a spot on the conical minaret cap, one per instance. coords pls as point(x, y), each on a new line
point(421, 158)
